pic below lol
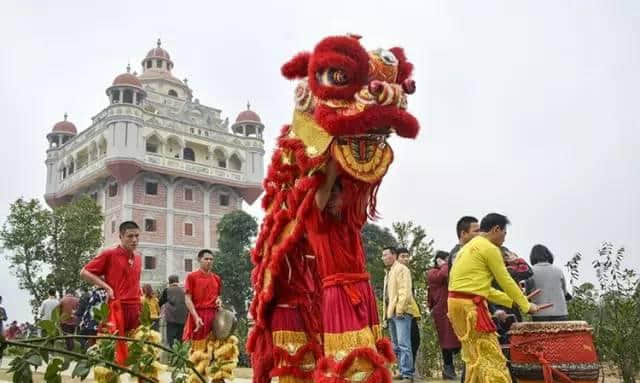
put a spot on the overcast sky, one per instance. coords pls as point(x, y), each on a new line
point(527, 108)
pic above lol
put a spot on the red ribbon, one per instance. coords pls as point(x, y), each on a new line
point(116, 326)
point(548, 372)
point(484, 323)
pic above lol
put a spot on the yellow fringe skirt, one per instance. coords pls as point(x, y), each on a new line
point(481, 351)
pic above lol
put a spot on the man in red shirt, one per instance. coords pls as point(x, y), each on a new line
point(202, 297)
point(117, 270)
point(68, 305)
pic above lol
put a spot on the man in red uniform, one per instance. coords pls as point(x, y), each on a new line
point(202, 296)
point(117, 270)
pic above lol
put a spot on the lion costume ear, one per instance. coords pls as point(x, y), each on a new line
point(297, 67)
point(405, 68)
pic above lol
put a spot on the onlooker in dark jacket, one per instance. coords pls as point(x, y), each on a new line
point(175, 310)
point(550, 280)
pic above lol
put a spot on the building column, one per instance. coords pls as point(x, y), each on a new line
point(127, 200)
point(207, 219)
point(170, 218)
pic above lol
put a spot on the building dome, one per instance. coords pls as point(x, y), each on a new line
point(248, 115)
point(158, 53)
point(127, 79)
point(64, 127)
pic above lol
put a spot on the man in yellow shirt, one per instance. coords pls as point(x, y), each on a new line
point(478, 263)
point(400, 308)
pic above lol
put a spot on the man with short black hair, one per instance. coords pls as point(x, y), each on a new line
point(467, 228)
point(479, 263)
point(202, 297)
point(117, 270)
point(399, 311)
point(405, 258)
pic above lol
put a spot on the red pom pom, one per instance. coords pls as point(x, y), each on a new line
point(297, 67)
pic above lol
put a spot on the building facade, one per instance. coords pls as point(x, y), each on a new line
point(157, 156)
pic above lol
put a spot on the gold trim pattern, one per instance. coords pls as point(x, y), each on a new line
point(339, 345)
point(369, 171)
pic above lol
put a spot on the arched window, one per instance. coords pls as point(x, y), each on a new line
point(153, 145)
point(127, 96)
point(115, 96)
point(149, 63)
point(188, 154)
point(234, 162)
point(173, 93)
point(219, 158)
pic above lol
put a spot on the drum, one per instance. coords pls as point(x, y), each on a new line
point(553, 352)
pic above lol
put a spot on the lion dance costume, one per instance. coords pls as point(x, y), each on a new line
point(314, 309)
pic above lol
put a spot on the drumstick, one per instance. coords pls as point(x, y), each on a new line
point(534, 293)
point(545, 306)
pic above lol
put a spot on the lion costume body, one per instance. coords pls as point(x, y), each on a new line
point(314, 309)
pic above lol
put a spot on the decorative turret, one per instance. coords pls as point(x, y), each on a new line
point(62, 132)
point(248, 124)
point(126, 89)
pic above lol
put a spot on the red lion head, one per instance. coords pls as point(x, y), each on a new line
point(351, 91)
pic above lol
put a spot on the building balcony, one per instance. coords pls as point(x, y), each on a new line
point(195, 168)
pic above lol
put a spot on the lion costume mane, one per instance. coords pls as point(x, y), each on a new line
point(314, 310)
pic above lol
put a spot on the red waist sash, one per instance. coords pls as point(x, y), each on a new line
point(347, 280)
point(483, 322)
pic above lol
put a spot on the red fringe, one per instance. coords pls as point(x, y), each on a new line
point(293, 361)
point(329, 370)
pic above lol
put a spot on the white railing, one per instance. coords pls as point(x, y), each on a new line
point(194, 167)
point(81, 173)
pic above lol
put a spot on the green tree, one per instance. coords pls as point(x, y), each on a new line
point(613, 309)
point(233, 263)
point(48, 248)
point(74, 238)
point(374, 239)
point(24, 237)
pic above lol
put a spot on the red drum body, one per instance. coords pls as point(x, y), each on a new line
point(553, 352)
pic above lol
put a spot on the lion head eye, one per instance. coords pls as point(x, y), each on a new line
point(388, 57)
point(333, 77)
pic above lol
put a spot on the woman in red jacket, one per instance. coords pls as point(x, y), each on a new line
point(438, 281)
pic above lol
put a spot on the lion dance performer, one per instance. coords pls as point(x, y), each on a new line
point(314, 309)
point(117, 271)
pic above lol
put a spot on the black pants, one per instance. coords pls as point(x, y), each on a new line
point(415, 339)
point(174, 332)
point(68, 329)
point(86, 343)
point(447, 355)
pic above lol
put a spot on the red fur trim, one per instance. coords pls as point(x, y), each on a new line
point(330, 370)
point(262, 362)
point(385, 348)
point(297, 67)
point(405, 68)
point(293, 362)
point(343, 53)
point(378, 117)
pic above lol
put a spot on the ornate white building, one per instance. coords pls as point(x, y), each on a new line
point(156, 156)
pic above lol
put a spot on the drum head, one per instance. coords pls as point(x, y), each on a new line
point(224, 323)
